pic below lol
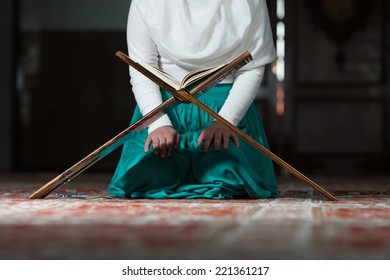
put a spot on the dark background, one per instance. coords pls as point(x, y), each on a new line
point(63, 93)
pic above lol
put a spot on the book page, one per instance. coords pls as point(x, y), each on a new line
point(161, 74)
point(196, 75)
point(188, 79)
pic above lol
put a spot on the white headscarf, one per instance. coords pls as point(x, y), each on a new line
point(218, 30)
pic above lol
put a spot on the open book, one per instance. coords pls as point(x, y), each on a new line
point(189, 79)
point(194, 81)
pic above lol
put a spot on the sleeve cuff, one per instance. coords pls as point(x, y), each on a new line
point(162, 121)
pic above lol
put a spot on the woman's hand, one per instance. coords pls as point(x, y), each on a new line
point(217, 133)
point(164, 140)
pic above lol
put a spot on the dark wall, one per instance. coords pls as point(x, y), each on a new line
point(338, 86)
point(72, 94)
point(75, 96)
point(6, 83)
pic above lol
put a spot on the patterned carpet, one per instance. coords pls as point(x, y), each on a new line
point(300, 224)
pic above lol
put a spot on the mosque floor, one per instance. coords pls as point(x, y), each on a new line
point(80, 221)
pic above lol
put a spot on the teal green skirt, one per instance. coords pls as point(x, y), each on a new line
point(238, 172)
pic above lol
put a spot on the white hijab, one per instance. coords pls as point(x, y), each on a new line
point(215, 29)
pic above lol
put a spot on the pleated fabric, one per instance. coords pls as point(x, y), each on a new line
point(238, 172)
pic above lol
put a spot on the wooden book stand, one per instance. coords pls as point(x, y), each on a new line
point(182, 95)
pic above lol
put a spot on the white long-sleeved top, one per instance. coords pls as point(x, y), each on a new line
point(183, 35)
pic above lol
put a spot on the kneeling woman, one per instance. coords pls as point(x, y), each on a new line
point(185, 153)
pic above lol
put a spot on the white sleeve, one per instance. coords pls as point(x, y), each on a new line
point(243, 93)
point(247, 80)
point(141, 47)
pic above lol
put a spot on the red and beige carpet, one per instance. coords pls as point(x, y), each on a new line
point(301, 224)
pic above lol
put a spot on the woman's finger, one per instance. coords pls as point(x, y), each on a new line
point(156, 145)
point(217, 141)
point(206, 142)
point(163, 147)
point(226, 139)
point(235, 139)
point(147, 143)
